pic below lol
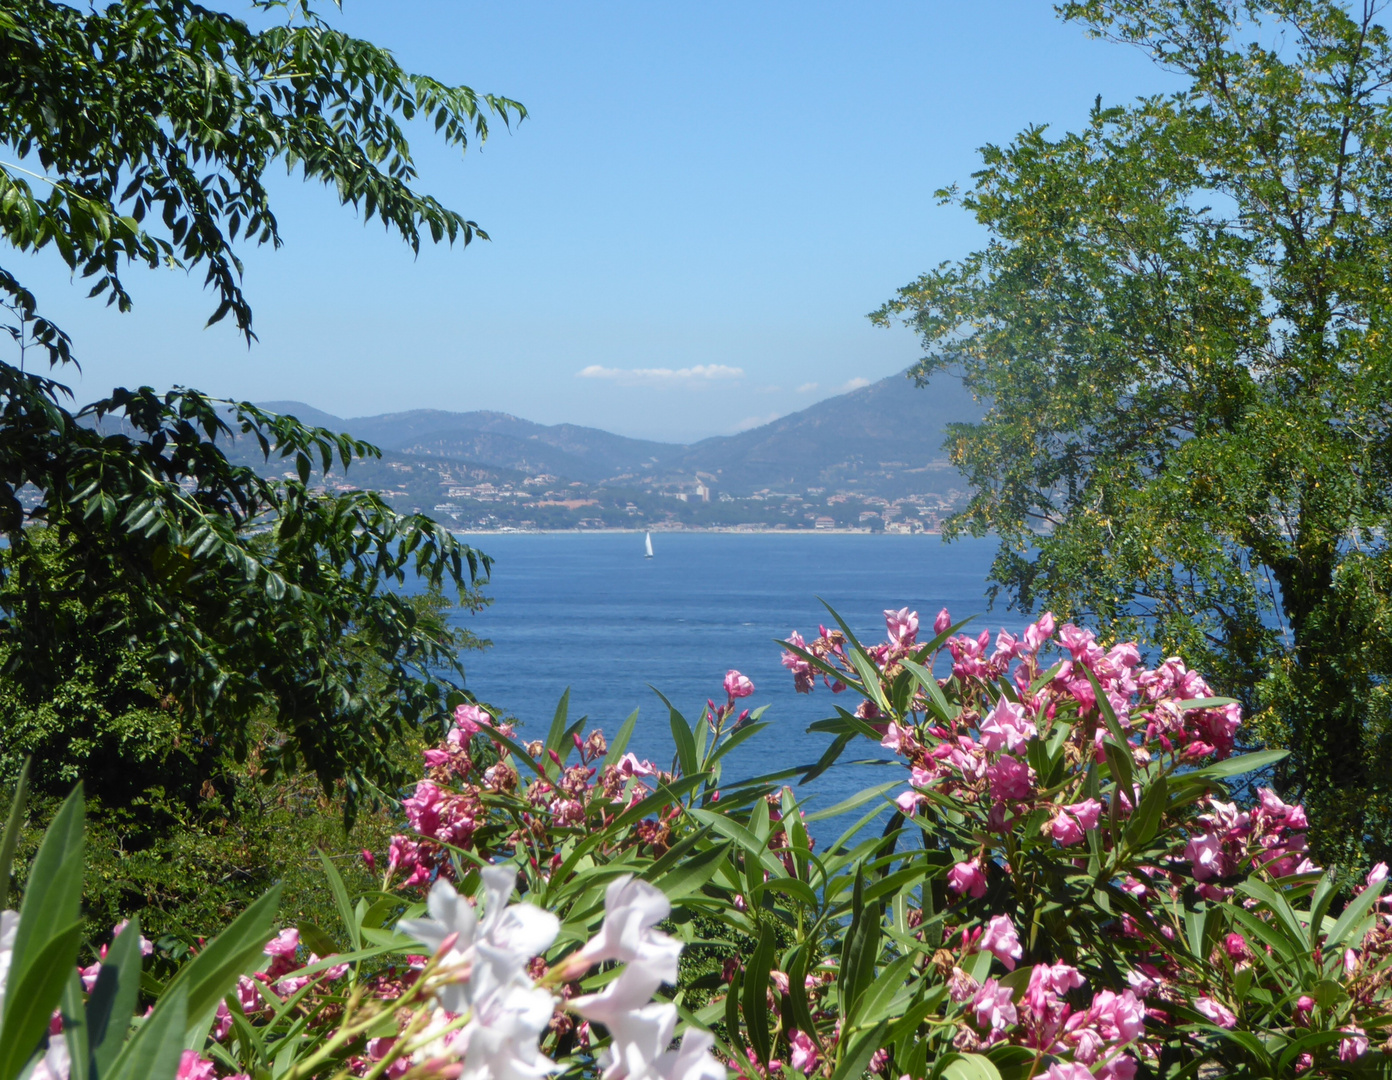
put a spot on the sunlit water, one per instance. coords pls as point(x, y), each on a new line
point(588, 612)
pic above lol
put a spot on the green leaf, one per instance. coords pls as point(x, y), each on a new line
point(113, 998)
point(862, 1047)
point(53, 895)
point(558, 723)
point(755, 992)
point(862, 797)
point(32, 992)
point(1243, 763)
point(685, 743)
point(153, 1053)
point(686, 878)
point(970, 1067)
point(14, 821)
point(925, 678)
point(75, 1032)
point(741, 836)
point(1145, 819)
point(860, 949)
point(341, 901)
point(887, 985)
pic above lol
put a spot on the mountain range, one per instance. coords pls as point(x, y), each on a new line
point(884, 438)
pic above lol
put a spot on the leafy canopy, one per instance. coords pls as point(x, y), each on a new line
point(1180, 322)
point(140, 133)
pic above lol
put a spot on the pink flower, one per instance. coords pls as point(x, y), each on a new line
point(1205, 853)
point(1088, 812)
point(1006, 728)
point(1355, 1046)
point(994, 1006)
point(1037, 633)
point(1376, 876)
point(1218, 1014)
point(1235, 945)
point(942, 622)
point(1001, 940)
point(1068, 1070)
point(966, 877)
point(1010, 779)
point(804, 1056)
point(629, 765)
point(1121, 1067)
point(1120, 1017)
point(737, 685)
point(803, 679)
point(469, 719)
point(283, 944)
point(1065, 828)
point(146, 948)
point(1304, 1005)
point(908, 801)
point(902, 626)
point(193, 1067)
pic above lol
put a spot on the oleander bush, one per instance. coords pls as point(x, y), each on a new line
point(1058, 883)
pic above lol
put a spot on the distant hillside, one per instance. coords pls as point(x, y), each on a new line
point(884, 438)
point(888, 433)
point(496, 439)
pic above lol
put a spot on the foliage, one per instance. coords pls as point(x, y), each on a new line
point(39, 980)
point(92, 699)
point(1056, 885)
point(151, 124)
point(1180, 325)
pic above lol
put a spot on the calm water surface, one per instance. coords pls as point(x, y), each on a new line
point(588, 612)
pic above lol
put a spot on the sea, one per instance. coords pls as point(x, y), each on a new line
point(588, 613)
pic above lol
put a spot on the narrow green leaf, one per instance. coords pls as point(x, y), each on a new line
point(113, 999)
point(1243, 763)
point(75, 1031)
point(685, 743)
point(32, 993)
point(341, 901)
point(14, 822)
point(558, 723)
point(755, 995)
point(153, 1053)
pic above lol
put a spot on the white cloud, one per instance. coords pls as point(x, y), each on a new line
point(756, 421)
point(661, 376)
point(808, 387)
point(853, 384)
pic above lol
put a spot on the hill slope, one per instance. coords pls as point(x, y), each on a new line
point(885, 438)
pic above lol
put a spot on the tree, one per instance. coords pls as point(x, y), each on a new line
point(140, 133)
point(1180, 323)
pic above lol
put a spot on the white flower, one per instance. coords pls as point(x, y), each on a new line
point(497, 948)
point(500, 1041)
point(638, 1038)
point(641, 1029)
point(56, 1064)
point(632, 909)
point(692, 1060)
point(9, 926)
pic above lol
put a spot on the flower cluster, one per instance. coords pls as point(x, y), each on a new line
point(489, 1009)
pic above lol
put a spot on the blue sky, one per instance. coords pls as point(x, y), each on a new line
point(686, 233)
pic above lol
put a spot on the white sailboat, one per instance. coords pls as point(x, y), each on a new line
point(647, 544)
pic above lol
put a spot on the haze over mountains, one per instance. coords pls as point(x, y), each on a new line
point(885, 439)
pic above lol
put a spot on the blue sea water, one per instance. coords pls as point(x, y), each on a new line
point(588, 612)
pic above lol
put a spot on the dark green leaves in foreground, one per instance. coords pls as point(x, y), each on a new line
point(42, 975)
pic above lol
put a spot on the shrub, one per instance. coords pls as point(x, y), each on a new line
point(1059, 885)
